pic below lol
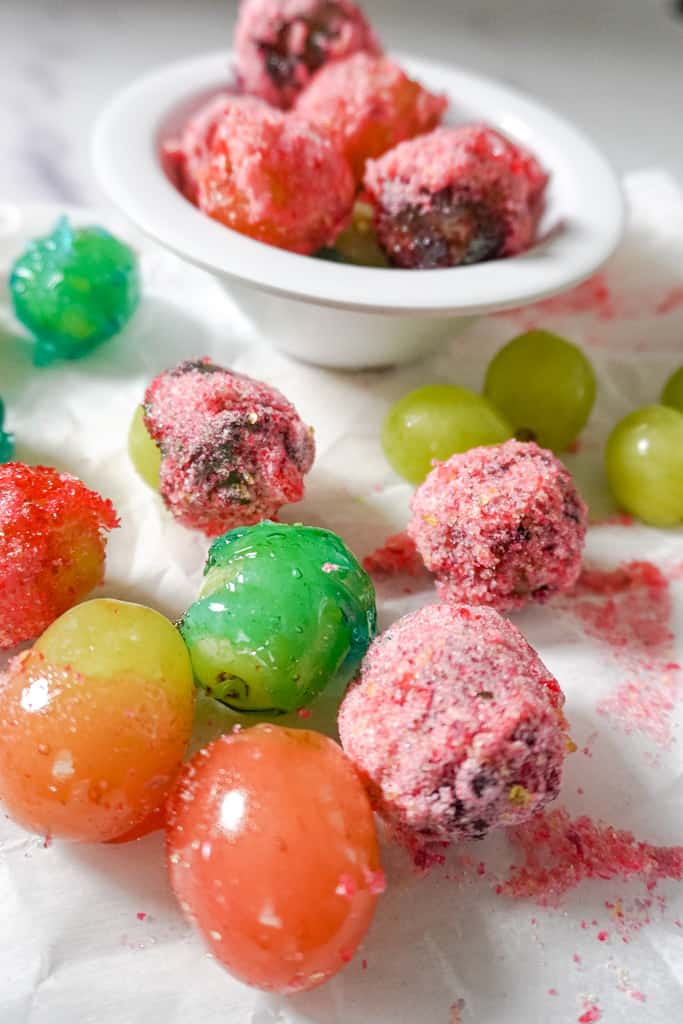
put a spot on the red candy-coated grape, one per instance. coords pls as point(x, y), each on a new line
point(94, 722)
point(272, 852)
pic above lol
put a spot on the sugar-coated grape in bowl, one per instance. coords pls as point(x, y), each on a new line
point(250, 176)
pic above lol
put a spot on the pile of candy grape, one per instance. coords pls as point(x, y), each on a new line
point(438, 735)
point(328, 147)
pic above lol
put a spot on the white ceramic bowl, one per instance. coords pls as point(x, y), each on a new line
point(345, 316)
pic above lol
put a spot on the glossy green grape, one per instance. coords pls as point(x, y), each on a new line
point(283, 610)
point(436, 421)
point(6, 440)
point(673, 390)
point(545, 386)
point(74, 289)
point(644, 463)
point(143, 450)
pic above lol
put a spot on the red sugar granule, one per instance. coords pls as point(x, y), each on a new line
point(560, 853)
point(234, 450)
point(141, 915)
point(52, 543)
point(280, 44)
point(672, 301)
point(367, 105)
point(455, 725)
point(455, 196)
point(590, 1015)
point(397, 555)
point(500, 526)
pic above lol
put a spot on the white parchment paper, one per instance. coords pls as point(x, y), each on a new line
point(92, 935)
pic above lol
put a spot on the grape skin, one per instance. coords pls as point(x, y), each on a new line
point(673, 390)
point(435, 422)
point(143, 450)
point(644, 464)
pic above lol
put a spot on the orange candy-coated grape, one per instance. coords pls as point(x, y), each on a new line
point(94, 722)
point(272, 851)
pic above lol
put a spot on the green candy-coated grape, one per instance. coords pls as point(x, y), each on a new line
point(74, 289)
point(545, 386)
point(673, 390)
point(644, 462)
point(436, 421)
point(283, 610)
point(143, 450)
point(6, 440)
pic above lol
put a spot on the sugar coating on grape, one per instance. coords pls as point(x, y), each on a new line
point(455, 724)
point(6, 439)
point(272, 853)
point(284, 611)
point(455, 196)
point(94, 723)
point(52, 541)
point(74, 289)
point(500, 526)
point(276, 179)
point(233, 449)
point(280, 44)
point(644, 464)
point(189, 153)
point(368, 105)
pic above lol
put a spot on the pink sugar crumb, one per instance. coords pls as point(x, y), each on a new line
point(560, 853)
point(141, 915)
point(576, 958)
point(590, 1015)
point(346, 887)
point(304, 713)
point(397, 555)
point(592, 296)
point(602, 936)
point(672, 301)
point(553, 992)
point(520, 531)
point(364, 965)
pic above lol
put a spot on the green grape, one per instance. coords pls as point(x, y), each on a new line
point(673, 390)
point(283, 611)
point(435, 422)
point(644, 462)
point(545, 386)
point(143, 450)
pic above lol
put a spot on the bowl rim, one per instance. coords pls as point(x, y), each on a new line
point(125, 154)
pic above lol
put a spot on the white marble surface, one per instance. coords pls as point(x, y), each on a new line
point(614, 66)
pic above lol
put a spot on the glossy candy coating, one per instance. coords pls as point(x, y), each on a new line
point(94, 722)
point(545, 386)
point(673, 390)
point(283, 610)
point(74, 289)
point(434, 422)
point(644, 463)
point(6, 439)
point(52, 541)
point(272, 853)
point(143, 450)
point(280, 44)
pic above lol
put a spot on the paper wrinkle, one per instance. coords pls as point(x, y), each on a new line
point(72, 949)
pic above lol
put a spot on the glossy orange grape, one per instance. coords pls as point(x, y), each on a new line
point(272, 852)
point(94, 722)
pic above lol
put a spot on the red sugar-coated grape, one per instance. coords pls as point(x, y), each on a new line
point(275, 178)
point(368, 105)
point(94, 723)
point(456, 196)
point(272, 852)
point(52, 541)
point(280, 44)
point(234, 450)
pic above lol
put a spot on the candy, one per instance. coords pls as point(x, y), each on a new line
point(189, 154)
point(283, 611)
point(274, 178)
point(280, 44)
point(94, 722)
point(73, 290)
point(233, 449)
point(272, 853)
point(6, 439)
point(455, 724)
point(368, 105)
point(52, 540)
point(500, 526)
point(455, 196)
